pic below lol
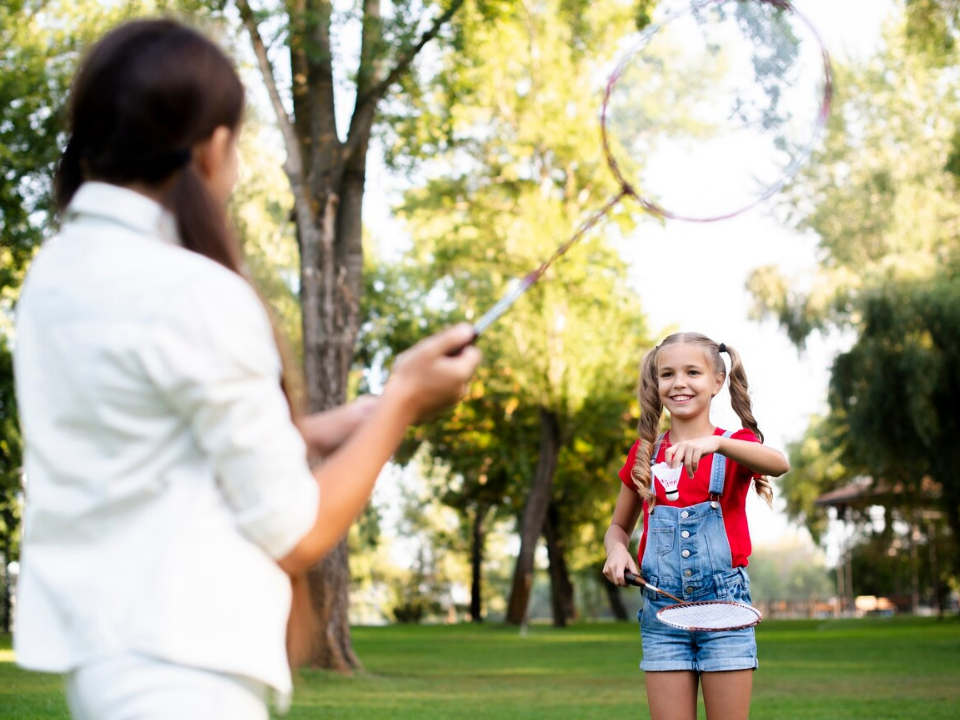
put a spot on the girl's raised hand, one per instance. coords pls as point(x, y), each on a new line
point(433, 374)
point(689, 452)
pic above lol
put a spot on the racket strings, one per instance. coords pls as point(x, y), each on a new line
point(716, 108)
point(711, 615)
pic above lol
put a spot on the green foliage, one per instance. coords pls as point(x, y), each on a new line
point(882, 197)
point(11, 487)
point(898, 390)
point(508, 140)
point(894, 564)
point(35, 68)
point(816, 467)
point(11, 459)
point(931, 28)
point(879, 194)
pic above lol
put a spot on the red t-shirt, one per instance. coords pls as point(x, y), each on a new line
point(695, 490)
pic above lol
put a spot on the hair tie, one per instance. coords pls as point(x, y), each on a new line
point(722, 348)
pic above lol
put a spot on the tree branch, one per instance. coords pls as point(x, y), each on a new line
point(293, 166)
point(367, 102)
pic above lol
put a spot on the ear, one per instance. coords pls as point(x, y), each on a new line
point(212, 154)
point(720, 377)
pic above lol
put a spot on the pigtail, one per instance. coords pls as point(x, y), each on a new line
point(743, 407)
point(651, 410)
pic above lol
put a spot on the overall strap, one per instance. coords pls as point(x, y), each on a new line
point(656, 448)
point(719, 471)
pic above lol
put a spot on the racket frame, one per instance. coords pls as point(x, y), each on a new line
point(627, 188)
point(758, 616)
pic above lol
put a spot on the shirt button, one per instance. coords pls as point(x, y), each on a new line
point(687, 573)
point(685, 534)
point(688, 590)
point(686, 553)
point(684, 514)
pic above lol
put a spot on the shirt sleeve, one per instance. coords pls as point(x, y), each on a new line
point(213, 356)
point(627, 468)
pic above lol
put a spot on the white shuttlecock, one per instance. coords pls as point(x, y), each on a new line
point(669, 478)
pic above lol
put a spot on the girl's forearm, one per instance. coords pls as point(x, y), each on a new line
point(347, 478)
point(324, 432)
point(615, 537)
point(759, 458)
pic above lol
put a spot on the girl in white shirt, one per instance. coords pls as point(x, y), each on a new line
point(168, 495)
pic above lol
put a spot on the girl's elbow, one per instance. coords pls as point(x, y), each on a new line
point(782, 467)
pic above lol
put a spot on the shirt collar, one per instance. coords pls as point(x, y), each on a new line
point(125, 207)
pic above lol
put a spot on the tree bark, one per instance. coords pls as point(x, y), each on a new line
point(561, 589)
point(533, 516)
point(327, 178)
point(476, 564)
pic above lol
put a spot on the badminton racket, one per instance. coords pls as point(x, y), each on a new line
point(708, 113)
point(700, 616)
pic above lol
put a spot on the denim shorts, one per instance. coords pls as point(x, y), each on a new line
point(669, 648)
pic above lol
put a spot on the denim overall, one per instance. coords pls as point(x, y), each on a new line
point(688, 555)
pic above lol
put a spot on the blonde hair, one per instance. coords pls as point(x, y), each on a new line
point(651, 409)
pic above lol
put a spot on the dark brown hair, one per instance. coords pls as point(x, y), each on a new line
point(651, 409)
point(146, 93)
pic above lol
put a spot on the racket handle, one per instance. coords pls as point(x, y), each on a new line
point(635, 579)
point(456, 351)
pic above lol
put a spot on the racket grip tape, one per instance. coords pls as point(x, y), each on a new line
point(457, 350)
point(634, 579)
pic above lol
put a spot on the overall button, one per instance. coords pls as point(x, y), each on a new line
point(686, 553)
point(685, 534)
point(684, 514)
point(687, 573)
point(714, 504)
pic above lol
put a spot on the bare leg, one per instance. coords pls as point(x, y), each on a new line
point(672, 695)
point(726, 695)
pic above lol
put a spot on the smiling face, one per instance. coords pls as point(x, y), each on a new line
point(686, 380)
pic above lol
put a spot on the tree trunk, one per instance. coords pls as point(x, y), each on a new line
point(476, 564)
point(561, 589)
point(327, 177)
point(330, 288)
point(533, 516)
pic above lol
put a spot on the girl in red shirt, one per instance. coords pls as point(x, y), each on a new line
point(695, 541)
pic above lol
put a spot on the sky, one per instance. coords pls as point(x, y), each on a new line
point(712, 261)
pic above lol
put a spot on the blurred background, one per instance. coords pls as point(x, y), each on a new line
point(449, 147)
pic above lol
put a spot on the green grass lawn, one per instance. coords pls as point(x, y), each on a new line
point(902, 668)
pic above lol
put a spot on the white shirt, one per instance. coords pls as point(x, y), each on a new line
point(163, 474)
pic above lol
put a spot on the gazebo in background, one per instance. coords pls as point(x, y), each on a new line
point(922, 518)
